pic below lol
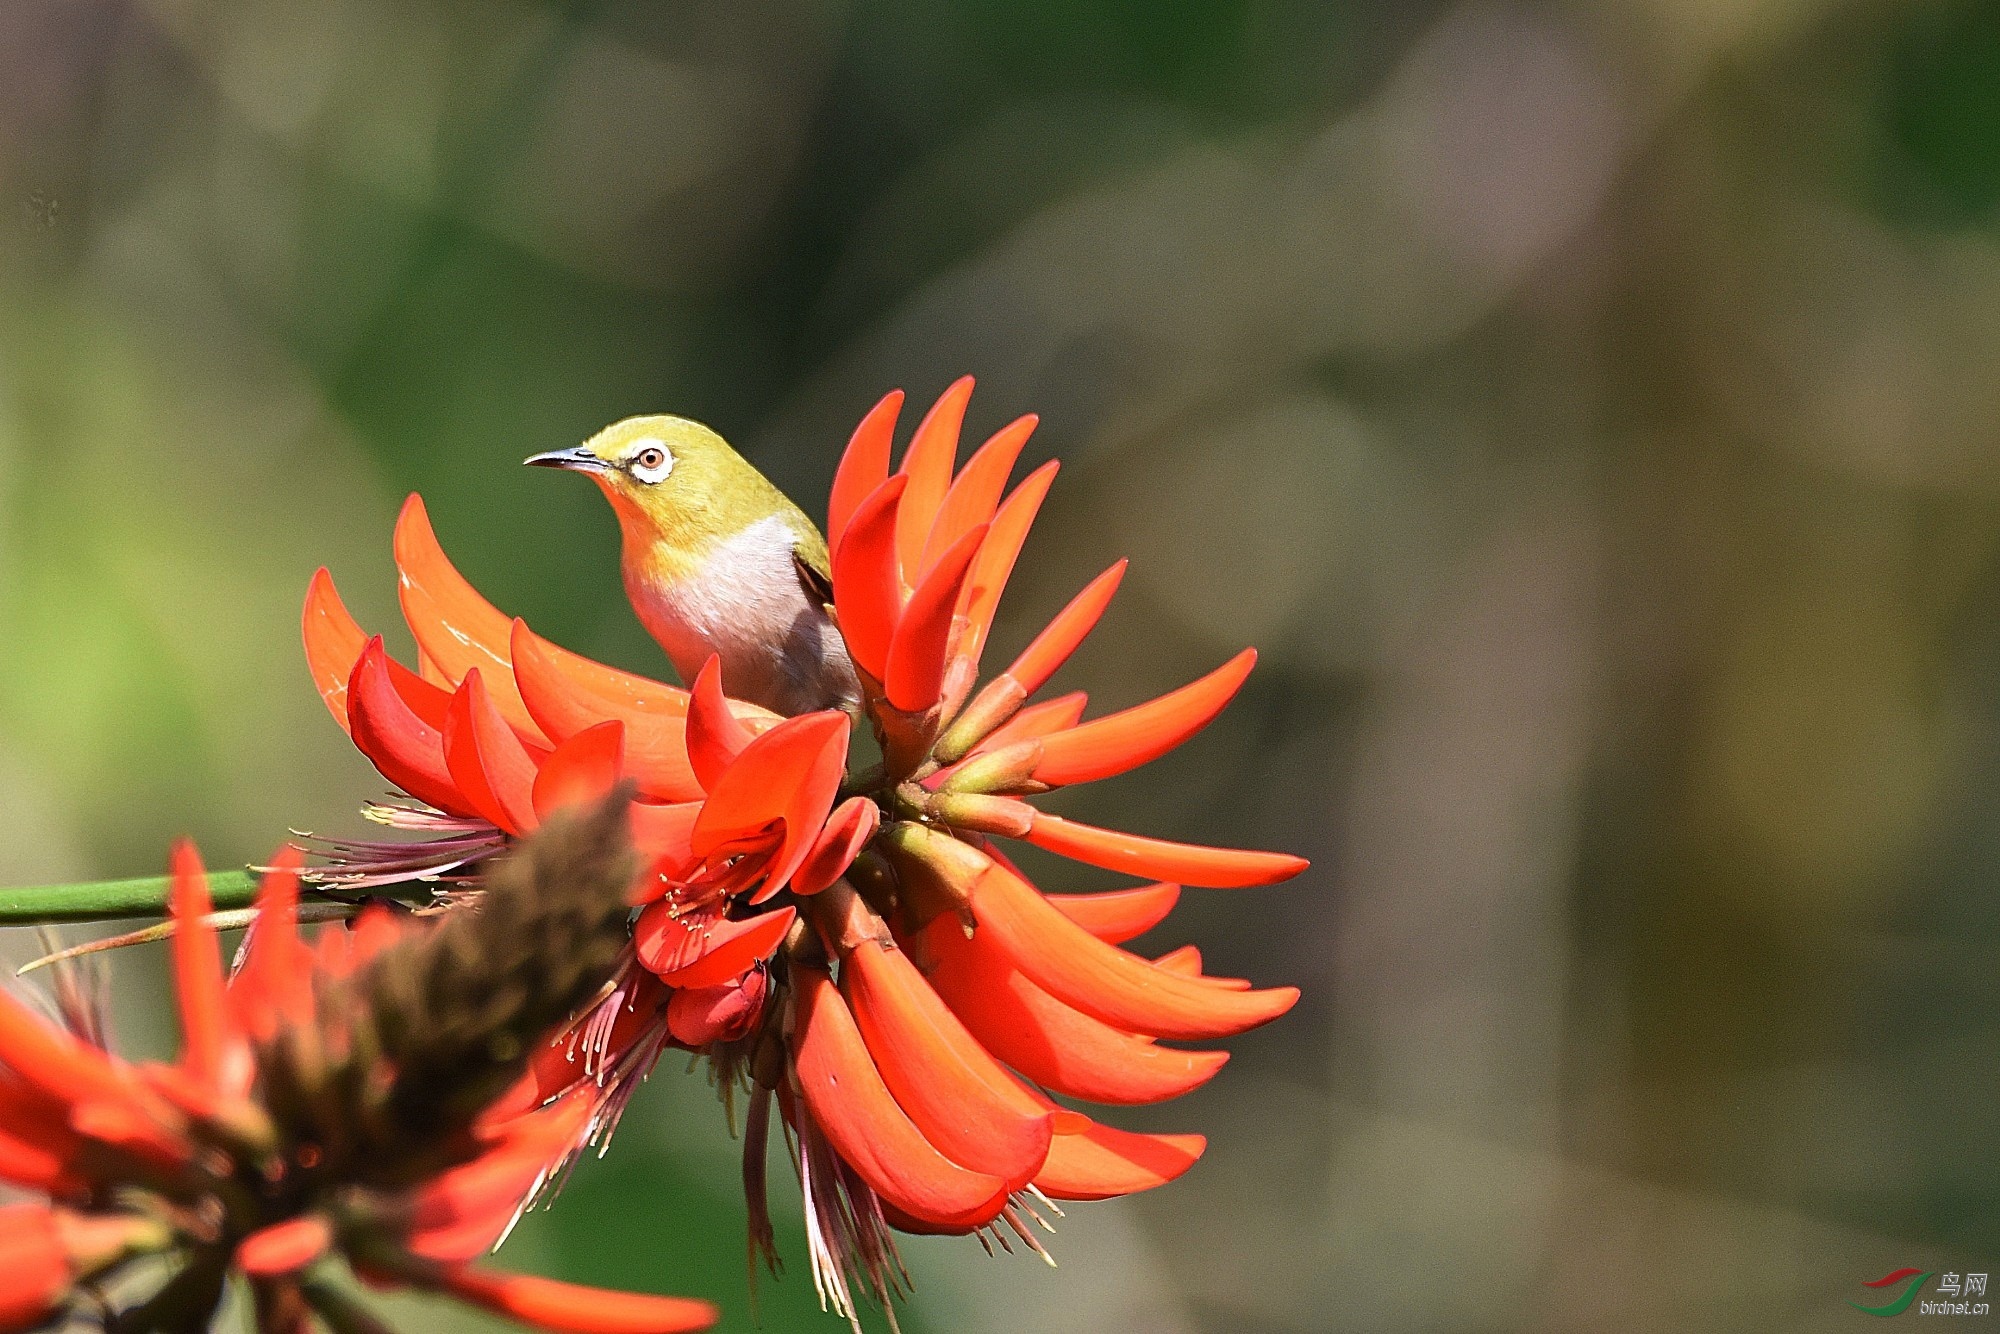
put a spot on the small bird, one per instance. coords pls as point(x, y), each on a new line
point(717, 560)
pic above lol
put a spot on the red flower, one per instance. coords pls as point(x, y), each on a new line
point(204, 1161)
point(497, 729)
point(850, 944)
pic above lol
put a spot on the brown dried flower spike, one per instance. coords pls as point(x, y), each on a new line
point(357, 1099)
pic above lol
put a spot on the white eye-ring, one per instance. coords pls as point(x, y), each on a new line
point(651, 462)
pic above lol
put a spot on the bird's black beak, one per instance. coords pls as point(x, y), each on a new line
point(576, 460)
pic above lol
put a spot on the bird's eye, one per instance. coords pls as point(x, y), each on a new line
point(651, 463)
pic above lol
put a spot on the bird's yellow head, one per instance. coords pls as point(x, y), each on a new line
point(678, 489)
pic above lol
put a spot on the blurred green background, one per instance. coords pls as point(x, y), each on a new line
point(1590, 411)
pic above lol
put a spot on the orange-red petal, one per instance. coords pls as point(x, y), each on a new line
point(285, 1248)
point(714, 735)
point(406, 748)
point(867, 578)
point(1188, 863)
point(575, 1309)
point(864, 466)
point(995, 562)
point(461, 1212)
point(455, 627)
point(584, 768)
point(1054, 1044)
point(274, 985)
point(33, 1165)
point(698, 950)
point(791, 773)
point(928, 464)
point(1132, 737)
point(1104, 981)
point(488, 763)
point(197, 969)
point(333, 643)
point(701, 1015)
point(975, 493)
point(663, 831)
point(954, 1091)
point(845, 834)
point(1050, 649)
point(916, 664)
point(1117, 915)
point(1037, 720)
point(35, 1271)
point(567, 692)
point(1100, 1162)
point(844, 1093)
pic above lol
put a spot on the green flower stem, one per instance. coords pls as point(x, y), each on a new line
point(101, 900)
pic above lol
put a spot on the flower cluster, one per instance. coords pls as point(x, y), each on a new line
point(325, 1103)
point(847, 939)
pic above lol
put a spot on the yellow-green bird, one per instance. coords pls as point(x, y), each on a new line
point(717, 560)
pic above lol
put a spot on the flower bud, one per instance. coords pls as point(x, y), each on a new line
point(999, 701)
point(1008, 769)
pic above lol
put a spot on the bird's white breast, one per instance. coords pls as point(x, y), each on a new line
point(747, 605)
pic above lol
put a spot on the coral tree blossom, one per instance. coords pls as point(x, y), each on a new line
point(309, 1115)
point(849, 942)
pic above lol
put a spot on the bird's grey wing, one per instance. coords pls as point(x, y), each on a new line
point(817, 583)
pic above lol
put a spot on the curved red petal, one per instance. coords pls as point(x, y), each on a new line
point(274, 985)
point(663, 831)
point(975, 493)
point(36, 1166)
point(995, 562)
point(845, 834)
point(928, 464)
point(1054, 1044)
point(864, 466)
point(285, 1248)
point(567, 692)
point(407, 749)
point(867, 578)
point(696, 950)
point(1102, 1162)
point(558, 1066)
point(584, 768)
point(333, 643)
point(1059, 638)
point(714, 736)
point(488, 763)
point(813, 793)
point(461, 1212)
point(1188, 863)
point(843, 1091)
point(35, 1269)
point(56, 1065)
point(914, 674)
point(791, 773)
point(701, 1015)
point(1037, 720)
point(1104, 981)
point(1186, 961)
point(456, 629)
point(954, 1091)
point(576, 1309)
point(1132, 737)
point(197, 969)
point(1117, 915)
